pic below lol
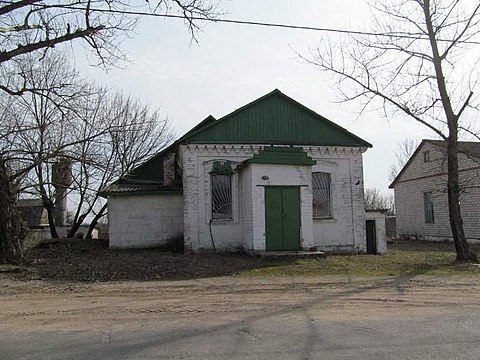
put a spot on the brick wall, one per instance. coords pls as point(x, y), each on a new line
point(380, 230)
point(197, 162)
point(169, 169)
point(344, 232)
point(420, 177)
point(247, 199)
point(281, 175)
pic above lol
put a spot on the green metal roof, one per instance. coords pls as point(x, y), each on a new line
point(282, 156)
point(274, 119)
point(152, 170)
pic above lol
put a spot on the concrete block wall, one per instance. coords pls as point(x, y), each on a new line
point(169, 169)
point(141, 221)
point(410, 209)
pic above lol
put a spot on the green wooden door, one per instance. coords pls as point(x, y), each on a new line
point(282, 218)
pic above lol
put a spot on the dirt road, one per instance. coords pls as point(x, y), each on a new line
point(222, 317)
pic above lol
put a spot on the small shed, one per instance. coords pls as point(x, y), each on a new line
point(376, 231)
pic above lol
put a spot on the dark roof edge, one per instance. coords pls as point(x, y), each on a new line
point(439, 143)
point(173, 145)
point(392, 185)
point(107, 193)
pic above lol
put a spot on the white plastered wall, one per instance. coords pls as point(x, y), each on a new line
point(262, 175)
point(344, 232)
point(197, 162)
point(140, 221)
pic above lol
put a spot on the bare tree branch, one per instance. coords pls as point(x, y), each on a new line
point(414, 78)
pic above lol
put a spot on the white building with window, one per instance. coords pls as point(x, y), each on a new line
point(270, 176)
point(421, 192)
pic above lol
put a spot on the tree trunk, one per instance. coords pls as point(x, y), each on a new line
point(75, 226)
point(13, 229)
point(456, 223)
point(95, 221)
point(49, 206)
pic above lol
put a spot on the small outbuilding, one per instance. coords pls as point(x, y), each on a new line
point(376, 231)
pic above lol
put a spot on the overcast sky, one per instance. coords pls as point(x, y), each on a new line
point(232, 65)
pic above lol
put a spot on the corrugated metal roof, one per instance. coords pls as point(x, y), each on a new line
point(282, 156)
point(152, 170)
point(127, 186)
point(275, 119)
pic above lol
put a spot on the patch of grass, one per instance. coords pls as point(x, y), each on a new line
point(401, 259)
point(91, 261)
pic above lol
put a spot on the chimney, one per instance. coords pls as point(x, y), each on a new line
point(169, 170)
point(61, 179)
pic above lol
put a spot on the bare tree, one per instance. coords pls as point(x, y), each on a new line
point(129, 134)
point(405, 150)
point(99, 134)
point(414, 67)
point(41, 126)
point(34, 27)
point(376, 200)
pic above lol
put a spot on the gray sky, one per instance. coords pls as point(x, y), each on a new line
point(232, 65)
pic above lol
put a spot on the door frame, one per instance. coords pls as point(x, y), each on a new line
point(299, 220)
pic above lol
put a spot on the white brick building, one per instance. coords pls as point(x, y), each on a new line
point(272, 175)
point(421, 192)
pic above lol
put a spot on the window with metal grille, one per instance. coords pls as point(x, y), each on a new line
point(322, 195)
point(428, 208)
point(221, 190)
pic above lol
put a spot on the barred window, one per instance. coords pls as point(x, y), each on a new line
point(221, 190)
point(428, 208)
point(321, 186)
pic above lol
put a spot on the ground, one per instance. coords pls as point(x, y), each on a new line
point(90, 261)
point(255, 314)
point(417, 317)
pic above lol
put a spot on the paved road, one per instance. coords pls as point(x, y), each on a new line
point(303, 318)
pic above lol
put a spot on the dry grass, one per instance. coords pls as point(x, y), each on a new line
point(82, 260)
point(403, 258)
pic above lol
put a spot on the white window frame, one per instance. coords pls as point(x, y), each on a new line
point(428, 208)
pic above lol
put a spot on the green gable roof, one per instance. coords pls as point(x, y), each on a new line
point(274, 119)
